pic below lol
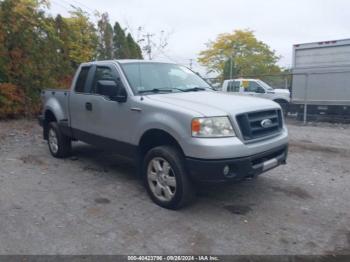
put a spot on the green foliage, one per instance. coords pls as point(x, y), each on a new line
point(26, 34)
point(134, 48)
point(38, 51)
point(124, 47)
point(249, 55)
point(11, 101)
point(82, 39)
point(105, 37)
point(120, 46)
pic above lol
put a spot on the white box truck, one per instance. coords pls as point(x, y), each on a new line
point(321, 79)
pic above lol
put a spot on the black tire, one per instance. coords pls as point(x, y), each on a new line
point(184, 190)
point(284, 106)
point(64, 143)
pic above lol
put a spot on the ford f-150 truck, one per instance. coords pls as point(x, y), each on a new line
point(169, 120)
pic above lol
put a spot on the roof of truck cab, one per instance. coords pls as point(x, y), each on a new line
point(245, 79)
point(127, 61)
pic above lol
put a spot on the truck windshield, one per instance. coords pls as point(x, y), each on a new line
point(162, 77)
point(264, 85)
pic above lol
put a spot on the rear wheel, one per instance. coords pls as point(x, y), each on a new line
point(59, 144)
point(166, 179)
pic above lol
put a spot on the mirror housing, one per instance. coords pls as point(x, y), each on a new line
point(121, 95)
point(115, 91)
point(260, 91)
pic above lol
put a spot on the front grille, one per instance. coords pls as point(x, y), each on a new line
point(251, 123)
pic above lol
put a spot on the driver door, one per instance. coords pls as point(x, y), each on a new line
point(109, 118)
point(254, 89)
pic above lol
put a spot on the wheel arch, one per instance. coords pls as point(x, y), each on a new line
point(281, 100)
point(157, 137)
point(49, 116)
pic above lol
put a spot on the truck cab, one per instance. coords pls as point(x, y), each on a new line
point(257, 88)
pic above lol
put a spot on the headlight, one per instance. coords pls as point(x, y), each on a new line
point(212, 127)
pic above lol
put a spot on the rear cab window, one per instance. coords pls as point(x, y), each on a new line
point(233, 86)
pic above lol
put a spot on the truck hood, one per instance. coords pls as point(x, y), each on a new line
point(210, 103)
point(282, 91)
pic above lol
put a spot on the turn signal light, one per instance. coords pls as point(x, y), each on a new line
point(196, 126)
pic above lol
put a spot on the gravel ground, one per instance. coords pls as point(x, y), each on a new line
point(93, 203)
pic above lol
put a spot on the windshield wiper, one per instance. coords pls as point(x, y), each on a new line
point(155, 90)
point(164, 90)
point(197, 88)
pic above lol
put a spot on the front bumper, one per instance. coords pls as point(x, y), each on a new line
point(204, 170)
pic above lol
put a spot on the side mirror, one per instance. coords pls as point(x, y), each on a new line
point(121, 95)
point(260, 91)
point(113, 90)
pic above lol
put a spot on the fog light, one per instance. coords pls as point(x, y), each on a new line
point(226, 170)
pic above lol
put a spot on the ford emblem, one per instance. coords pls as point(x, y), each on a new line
point(266, 123)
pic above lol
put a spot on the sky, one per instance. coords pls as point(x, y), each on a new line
point(189, 25)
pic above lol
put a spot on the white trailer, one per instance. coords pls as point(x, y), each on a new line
point(321, 79)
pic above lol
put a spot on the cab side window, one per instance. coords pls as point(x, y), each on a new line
point(101, 73)
point(81, 80)
point(233, 86)
point(254, 88)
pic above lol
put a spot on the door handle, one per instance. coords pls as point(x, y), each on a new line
point(136, 109)
point(88, 106)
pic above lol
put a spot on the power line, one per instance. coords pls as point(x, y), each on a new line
point(60, 5)
point(173, 59)
point(72, 6)
point(79, 3)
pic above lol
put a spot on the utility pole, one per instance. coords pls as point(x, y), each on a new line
point(231, 61)
point(148, 47)
point(231, 66)
point(191, 63)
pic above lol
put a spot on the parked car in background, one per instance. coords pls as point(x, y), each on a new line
point(257, 88)
point(169, 120)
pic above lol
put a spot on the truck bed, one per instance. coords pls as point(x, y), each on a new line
point(57, 100)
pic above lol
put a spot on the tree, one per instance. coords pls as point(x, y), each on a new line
point(63, 65)
point(105, 38)
point(134, 50)
point(240, 51)
point(39, 51)
point(120, 46)
point(26, 47)
point(82, 39)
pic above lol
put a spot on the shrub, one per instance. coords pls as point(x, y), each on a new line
point(11, 101)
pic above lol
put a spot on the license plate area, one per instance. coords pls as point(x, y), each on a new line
point(269, 164)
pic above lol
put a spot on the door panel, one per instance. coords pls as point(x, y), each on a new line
point(80, 116)
point(109, 119)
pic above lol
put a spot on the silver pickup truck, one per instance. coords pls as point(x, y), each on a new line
point(169, 120)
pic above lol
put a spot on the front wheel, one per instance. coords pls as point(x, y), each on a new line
point(284, 106)
point(166, 179)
